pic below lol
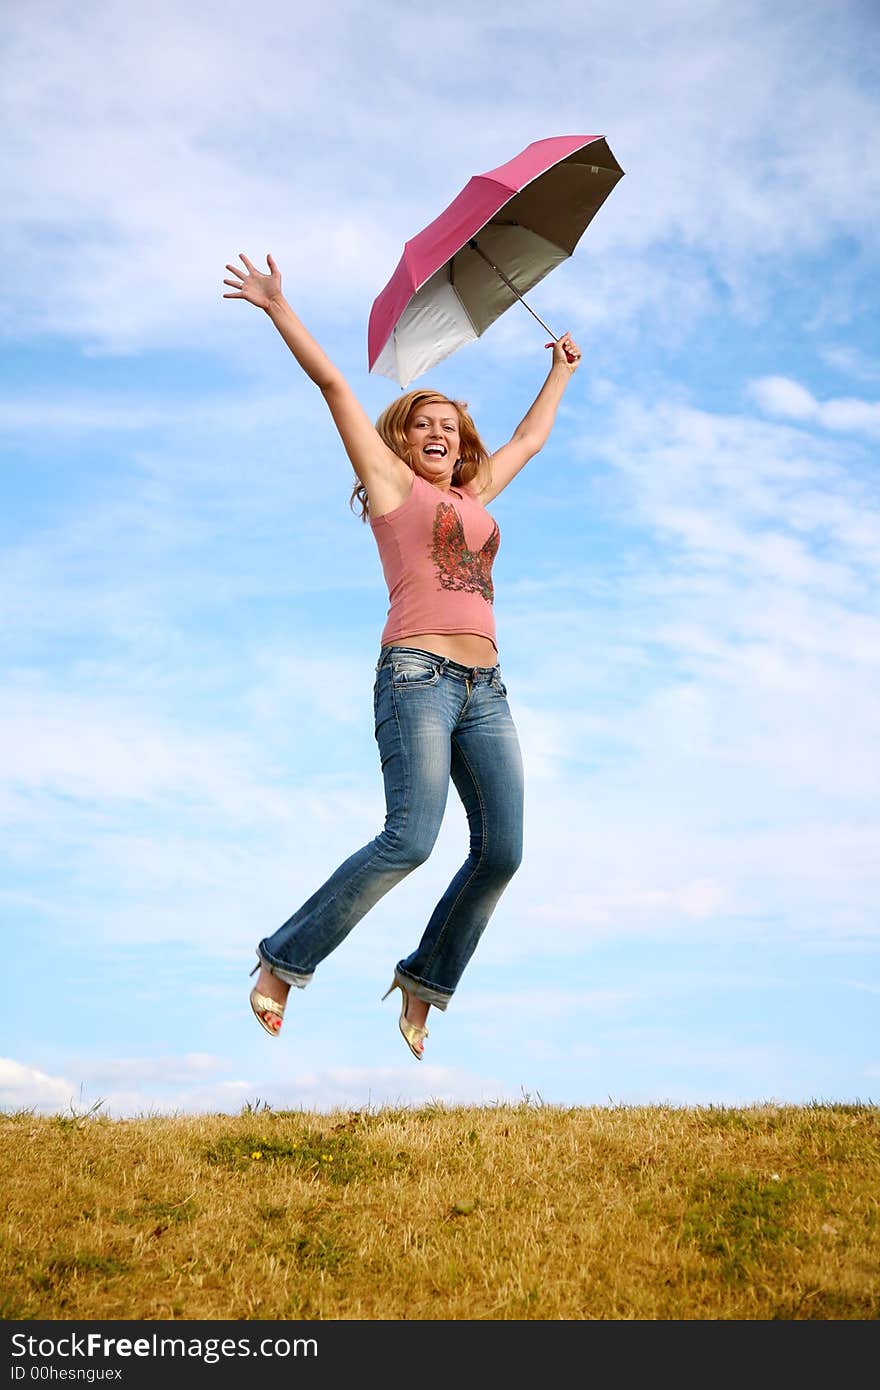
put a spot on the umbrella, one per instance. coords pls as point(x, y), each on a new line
point(503, 233)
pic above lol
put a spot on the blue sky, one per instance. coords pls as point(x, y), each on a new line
point(686, 590)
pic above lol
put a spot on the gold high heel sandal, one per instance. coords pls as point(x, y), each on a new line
point(266, 1009)
point(412, 1033)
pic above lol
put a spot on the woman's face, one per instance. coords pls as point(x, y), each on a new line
point(432, 432)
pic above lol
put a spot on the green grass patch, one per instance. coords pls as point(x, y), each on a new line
point(336, 1158)
point(740, 1219)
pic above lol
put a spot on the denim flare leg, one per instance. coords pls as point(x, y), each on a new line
point(434, 719)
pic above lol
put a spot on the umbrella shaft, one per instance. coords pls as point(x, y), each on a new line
point(480, 252)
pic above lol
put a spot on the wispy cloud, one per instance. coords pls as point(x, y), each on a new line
point(778, 395)
point(851, 362)
point(23, 1087)
point(121, 1089)
point(133, 215)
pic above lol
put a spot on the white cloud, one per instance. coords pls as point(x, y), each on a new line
point(149, 149)
point(315, 1089)
point(168, 1069)
point(95, 751)
point(23, 1088)
point(777, 395)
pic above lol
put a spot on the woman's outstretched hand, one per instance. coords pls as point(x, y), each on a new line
point(565, 352)
point(253, 285)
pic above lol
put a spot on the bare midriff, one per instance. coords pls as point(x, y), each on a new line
point(465, 647)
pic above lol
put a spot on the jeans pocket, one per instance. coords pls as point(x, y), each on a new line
point(414, 670)
point(499, 687)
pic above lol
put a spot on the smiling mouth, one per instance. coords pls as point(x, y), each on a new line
point(436, 450)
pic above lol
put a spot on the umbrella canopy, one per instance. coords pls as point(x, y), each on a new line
point(503, 233)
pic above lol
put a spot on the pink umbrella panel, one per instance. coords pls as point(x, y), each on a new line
point(502, 234)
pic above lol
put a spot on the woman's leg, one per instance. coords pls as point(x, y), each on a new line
point(487, 770)
point(412, 729)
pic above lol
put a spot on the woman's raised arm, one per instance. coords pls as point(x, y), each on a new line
point(370, 456)
point(533, 431)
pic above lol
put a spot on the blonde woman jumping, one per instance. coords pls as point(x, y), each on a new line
point(423, 480)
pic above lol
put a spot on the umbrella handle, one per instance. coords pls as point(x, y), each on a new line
point(480, 252)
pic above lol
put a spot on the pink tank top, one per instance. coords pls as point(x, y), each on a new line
point(437, 550)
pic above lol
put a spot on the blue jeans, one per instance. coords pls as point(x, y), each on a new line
point(434, 718)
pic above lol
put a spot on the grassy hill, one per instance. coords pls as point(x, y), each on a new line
point(508, 1212)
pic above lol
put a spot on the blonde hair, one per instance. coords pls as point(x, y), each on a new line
point(391, 427)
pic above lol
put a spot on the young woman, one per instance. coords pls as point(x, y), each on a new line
point(424, 480)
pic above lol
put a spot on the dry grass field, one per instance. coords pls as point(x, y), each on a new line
point(525, 1212)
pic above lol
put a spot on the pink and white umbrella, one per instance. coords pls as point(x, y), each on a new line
point(503, 233)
